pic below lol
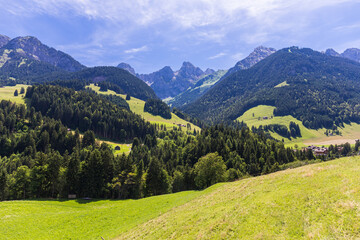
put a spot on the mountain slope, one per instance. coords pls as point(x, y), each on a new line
point(319, 201)
point(205, 83)
point(3, 40)
point(199, 89)
point(32, 48)
point(254, 57)
point(350, 53)
point(317, 89)
point(169, 83)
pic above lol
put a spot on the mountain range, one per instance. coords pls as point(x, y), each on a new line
point(24, 50)
point(319, 90)
point(204, 84)
point(350, 53)
point(168, 83)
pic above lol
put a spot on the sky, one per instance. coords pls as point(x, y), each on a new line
point(151, 34)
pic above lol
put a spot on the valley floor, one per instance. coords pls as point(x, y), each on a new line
point(311, 202)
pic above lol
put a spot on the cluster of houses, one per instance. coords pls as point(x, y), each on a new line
point(318, 151)
point(321, 151)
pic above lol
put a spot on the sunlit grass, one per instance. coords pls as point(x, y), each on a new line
point(7, 93)
point(319, 201)
point(254, 117)
point(47, 219)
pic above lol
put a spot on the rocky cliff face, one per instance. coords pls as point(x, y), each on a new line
point(32, 49)
point(169, 83)
point(332, 52)
point(3, 40)
point(127, 67)
point(256, 56)
point(350, 53)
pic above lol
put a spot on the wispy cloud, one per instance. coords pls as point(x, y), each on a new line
point(136, 50)
point(217, 56)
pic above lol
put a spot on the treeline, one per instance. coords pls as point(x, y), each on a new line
point(157, 107)
point(87, 111)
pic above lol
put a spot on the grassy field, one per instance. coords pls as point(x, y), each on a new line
point(137, 106)
point(309, 136)
point(81, 219)
point(319, 201)
point(7, 93)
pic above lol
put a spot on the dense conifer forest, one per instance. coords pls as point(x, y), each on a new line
point(49, 149)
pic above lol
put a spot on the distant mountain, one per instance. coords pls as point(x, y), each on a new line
point(212, 77)
point(332, 52)
point(196, 91)
point(350, 53)
point(23, 58)
point(32, 48)
point(319, 90)
point(127, 67)
point(254, 57)
point(3, 40)
point(168, 83)
point(209, 71)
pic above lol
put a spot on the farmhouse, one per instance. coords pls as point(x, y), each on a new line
point(265, 117)
point(318, 151)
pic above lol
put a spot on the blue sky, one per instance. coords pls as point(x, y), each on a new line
point(209, 33)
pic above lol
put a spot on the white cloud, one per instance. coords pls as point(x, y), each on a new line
point(217, 56)
point(136, 50)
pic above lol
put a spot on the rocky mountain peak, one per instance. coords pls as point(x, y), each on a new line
point(31, 48)
point(189, 71)
point(332, 52)
point(352, 53)
point(127, 67)
point(209, 71)
point(3, 40)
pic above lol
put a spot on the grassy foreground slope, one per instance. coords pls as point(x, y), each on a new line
point(309, 136)
point(319, 201)
point(137, 106)
point(84, 219)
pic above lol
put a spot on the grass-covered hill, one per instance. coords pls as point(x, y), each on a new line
point(319, 90)
point(319, 201)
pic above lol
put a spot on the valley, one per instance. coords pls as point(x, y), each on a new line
point(313, 201)
point(104, 152)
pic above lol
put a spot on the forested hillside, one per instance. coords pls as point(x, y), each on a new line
point(41, 157)
point(319, 90)
point(88, 111)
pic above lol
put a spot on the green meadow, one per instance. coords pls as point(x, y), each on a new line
point(137, 106)
point(254, 117)
point(7, 93)
point(318, 201)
